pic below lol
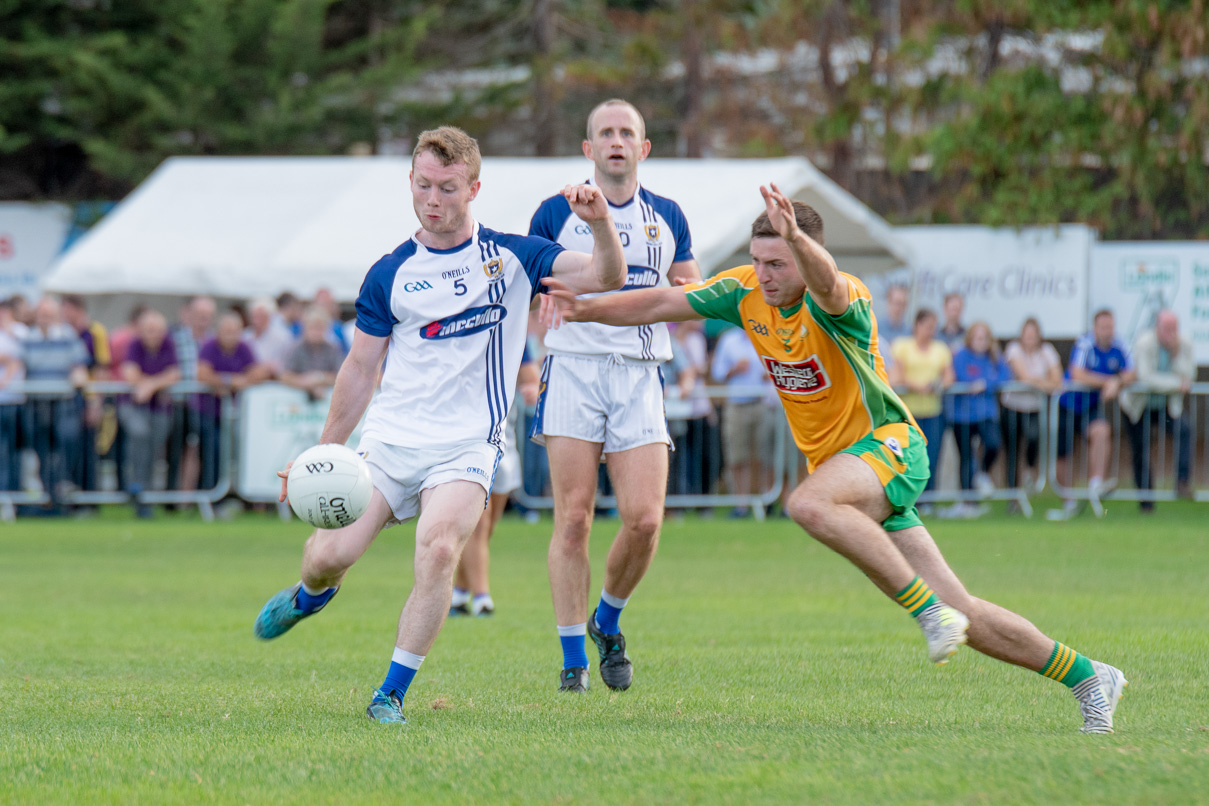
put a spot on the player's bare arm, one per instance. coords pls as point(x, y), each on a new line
point(814, 263)
point(683, 272)
point(355, 384)
point(605, 268)
point(644, 306)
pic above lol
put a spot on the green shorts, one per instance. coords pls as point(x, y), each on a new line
point(897, 453)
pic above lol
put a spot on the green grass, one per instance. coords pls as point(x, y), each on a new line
point(767, 670)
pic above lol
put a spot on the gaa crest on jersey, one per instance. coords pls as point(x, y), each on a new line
point(494, 269)
point(652, 233)
point(797, 377)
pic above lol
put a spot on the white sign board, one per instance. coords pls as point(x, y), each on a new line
point(276, 423)
point(1136, 279)
point(31, 236)
point(1006, 275)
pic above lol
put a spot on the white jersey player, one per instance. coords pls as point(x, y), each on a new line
point(448, 311)
point(602, 392)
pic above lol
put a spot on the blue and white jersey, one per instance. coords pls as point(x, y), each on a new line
point(654, 235)
point(457, 320)
point(1088, 355)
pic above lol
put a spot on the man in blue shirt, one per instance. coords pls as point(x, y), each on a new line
point(1099, 360)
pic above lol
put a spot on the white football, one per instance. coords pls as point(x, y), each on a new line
point(329, 486)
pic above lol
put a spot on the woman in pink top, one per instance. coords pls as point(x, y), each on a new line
point(1036, 363)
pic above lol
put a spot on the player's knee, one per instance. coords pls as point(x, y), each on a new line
point(325, 556)
point(806, 511)
point(645, 525)
point(573, 527)
point(439, 554)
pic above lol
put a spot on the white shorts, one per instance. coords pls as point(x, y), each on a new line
point(401, 474)
point(508, 474)
point(614, 401)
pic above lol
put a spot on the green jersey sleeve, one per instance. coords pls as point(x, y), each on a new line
point(856, 322)
point(719, 296)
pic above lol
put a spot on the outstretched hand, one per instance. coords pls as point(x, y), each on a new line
point(587, 202)
point(560, 304)
point(780, 211)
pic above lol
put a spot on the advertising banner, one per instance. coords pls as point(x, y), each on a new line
point(1006, 275)
point(31, 236)
point(1136, 279)
point(276, 423)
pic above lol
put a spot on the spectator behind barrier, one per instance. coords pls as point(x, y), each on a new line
point(313, 363)
point(325, 300)
point(146, 413)
point(269, 338)
point(700, 463)
point(96, 339)
point(227, 365)
point(121, 338)
point(953, 332)
point(895, 325)
point(53, 352)
point(289, 314)
point(1036, 363)
point(748, 422)
point(184, 441)
point(12, 371)
point(976, 413)
point(1099, 360)
point(923, 365)
point(1166, 368)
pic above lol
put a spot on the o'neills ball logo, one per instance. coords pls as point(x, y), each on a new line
point(333, 511)
point(469, 321)
point(798, 377)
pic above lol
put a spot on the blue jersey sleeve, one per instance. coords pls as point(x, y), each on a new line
point(535, 254)
point(550, 217)
point(374, 314)
point(674, 216)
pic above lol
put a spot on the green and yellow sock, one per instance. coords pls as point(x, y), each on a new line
point(1067, 666)
point(916, 597)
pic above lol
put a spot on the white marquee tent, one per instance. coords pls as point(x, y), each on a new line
point(240, 227)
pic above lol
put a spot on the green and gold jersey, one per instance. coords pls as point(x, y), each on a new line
point(827, 369)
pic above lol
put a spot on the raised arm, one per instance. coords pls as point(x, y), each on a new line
point(604, 269)
point(828, 289)
point(641, 307)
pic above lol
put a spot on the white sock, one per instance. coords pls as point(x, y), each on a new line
point(573, 629)
point(405, 658)
point(314, 591)
point(460, 597)
point(615, 601)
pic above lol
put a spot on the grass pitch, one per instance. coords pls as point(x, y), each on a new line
point(767, 670)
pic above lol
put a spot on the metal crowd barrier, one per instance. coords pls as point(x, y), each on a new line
point(764, 496)
point(111, 390)
point(961, 395)
point(1154, 444)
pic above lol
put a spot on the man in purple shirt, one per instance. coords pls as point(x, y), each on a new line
point(146, 414)
point(227, 364)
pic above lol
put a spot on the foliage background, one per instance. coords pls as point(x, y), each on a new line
point(991, 111)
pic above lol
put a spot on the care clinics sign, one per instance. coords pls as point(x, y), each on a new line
point(31, 236)
point(1006, 275)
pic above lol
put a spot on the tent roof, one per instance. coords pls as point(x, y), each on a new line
point(249, 226)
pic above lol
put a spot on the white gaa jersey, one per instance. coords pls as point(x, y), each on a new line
point(457, 320)
point(654, 235)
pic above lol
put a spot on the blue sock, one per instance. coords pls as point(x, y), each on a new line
point(572, 639)
point(403, 668)
point(608, 612)
point(310, 602)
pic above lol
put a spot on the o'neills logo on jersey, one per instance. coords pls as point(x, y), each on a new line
point(797, 378)
point(641, 277)
point(463, 324)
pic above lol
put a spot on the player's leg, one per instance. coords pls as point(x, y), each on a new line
point(474, 567)
point(842, 504)
point(448, 514)
point(639, 477)
point(1006, 636)
point(573, 472)
point(850, 501)
point(328, 554)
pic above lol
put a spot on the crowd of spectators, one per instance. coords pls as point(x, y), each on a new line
point(52, 442)
point(955, 379)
